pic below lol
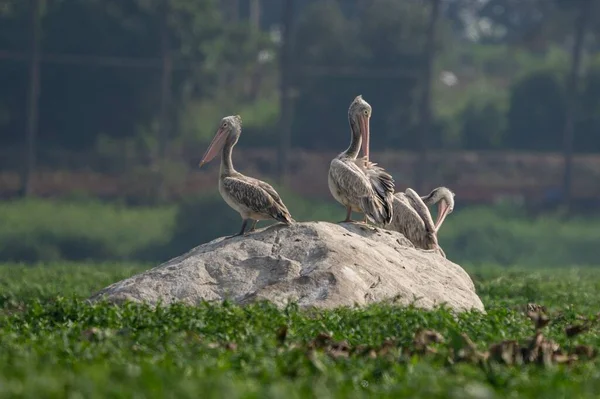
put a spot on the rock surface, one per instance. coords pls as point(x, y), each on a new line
point(316, 264)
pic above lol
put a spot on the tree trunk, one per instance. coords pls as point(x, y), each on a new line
point(28, 171)
point(255, 14)
point(165, 98)
point(285, 103)
point(572, 91)
point(232, 11)
point(425, 104)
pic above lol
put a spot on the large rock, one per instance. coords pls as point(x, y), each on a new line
point(316, 264)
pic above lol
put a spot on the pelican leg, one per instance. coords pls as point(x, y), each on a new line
point(366, 221)
point(252, 226)
point(348, 216)
point(244, 224)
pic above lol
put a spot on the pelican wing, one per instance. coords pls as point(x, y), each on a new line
point(413, 221)
point(269, 189)
point(383, 184)
point(350, 178)
point(381, 181)
point(419, 206)
point(255, 197)
point(354, 184)
point(406, 220)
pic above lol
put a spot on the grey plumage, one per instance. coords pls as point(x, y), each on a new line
point(412, 218)
point(352, 187)
point(358, 184)
point(253, 199)
point(383, 184)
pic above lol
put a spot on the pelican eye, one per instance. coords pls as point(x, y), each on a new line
point(366, 112)
point(224, 124)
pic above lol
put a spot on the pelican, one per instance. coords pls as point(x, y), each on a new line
point(445, 200)
point(358, 184)
point(412, 218)
point(254, 199)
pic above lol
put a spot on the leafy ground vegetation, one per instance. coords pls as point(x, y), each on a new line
point(538, 339)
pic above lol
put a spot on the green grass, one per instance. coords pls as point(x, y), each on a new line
point(54, 344)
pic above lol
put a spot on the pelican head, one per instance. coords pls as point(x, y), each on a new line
point(445, 200)
point(229, 131)
point(359, 115)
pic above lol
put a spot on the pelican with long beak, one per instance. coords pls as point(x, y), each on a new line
point(358, 184)
point(444, 198)
point(413, 219)
point(253, 199)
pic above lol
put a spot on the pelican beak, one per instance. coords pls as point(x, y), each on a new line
point(443, 209)
point(215, 145)
point(365, 131)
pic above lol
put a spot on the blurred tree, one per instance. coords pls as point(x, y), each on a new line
point(425, 114)
point(536, 113)
point(519, 22)
point(28, 169)
point(285, 91)
point(15, 35)
point(341, 49)
point(377, 53)
point(85, 95)
point(587, 139)
point(254, 13)
point(484, 121)
point(584, 7)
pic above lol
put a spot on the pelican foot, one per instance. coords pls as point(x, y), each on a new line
point(252, 227)
point(233, 236)
point(241, 233)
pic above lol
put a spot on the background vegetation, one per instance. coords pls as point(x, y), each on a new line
point(131, 88)
point(509, 61)
point(128, 96)
point(43, 230)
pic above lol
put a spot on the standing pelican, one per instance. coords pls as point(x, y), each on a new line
point(254, 199)
point(412, 217)
point(358, 184)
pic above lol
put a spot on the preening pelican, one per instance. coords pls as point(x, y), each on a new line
point(412, 217)
point(254, 199)
point(445, 200)
point(358, 184)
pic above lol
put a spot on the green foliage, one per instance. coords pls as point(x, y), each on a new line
point(588, 111)
point(55, 344)
point(200, 120)
point(340, 49)
point(513, 98)
point(537, 105)
point(201, 219)
point(484, 122)
point(33, 230)
point(384, 37)
point(74, 230)
point(480, 235)
point(122, 102)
